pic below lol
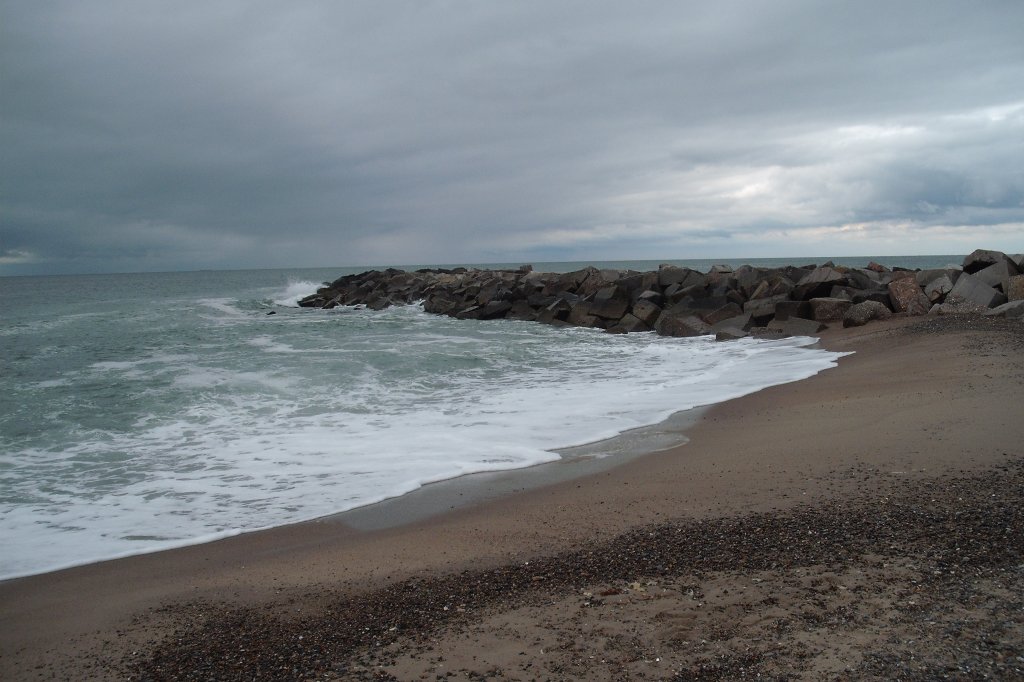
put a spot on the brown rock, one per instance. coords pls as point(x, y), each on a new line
point(907, 297)
point(1015, 290)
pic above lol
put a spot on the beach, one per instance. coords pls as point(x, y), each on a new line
point(830, 511)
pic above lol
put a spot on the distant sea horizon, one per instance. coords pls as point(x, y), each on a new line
point(702, 264)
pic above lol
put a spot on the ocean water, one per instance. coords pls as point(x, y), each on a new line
point(145, 411)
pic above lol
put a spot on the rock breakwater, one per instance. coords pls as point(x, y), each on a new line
point(674, 301)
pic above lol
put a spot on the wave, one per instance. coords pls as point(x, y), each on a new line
point(296, 290)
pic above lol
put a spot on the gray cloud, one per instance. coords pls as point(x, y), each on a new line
point(158, 135)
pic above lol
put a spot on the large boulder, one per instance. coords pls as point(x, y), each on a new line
point(522, 310)
point(787, 309)
point(829, 309)
point(864, 279)
point(629, 324)
point(907, 297)
point(937, 289)
point(557, 312)
point(744, 322)
point(581, 316)
point(610, 302)
point(926, 277)
point(647, 310)
point(1013, 309)
point(763, 309)
point(684, 277)
point(982, 258)
point(972, 291)
point(494, 310)
point(725, 312)
point(860, 314)
point(671, 324)
point(819, 282)
point(998, 274)
point(796, 326)
point(773, 286)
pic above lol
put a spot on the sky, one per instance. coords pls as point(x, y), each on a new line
point(180, 135)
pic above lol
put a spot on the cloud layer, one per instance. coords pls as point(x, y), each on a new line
point(169, 135)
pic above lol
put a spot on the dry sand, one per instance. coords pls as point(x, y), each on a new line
point(863, 524)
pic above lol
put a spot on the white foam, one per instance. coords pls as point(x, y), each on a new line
point(294, 292)
point(271, 428)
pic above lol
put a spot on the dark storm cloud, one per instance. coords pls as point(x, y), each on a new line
point(142, 135)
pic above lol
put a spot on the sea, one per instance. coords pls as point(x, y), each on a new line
point(141, 412)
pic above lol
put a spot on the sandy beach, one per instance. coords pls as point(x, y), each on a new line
point(865, 523)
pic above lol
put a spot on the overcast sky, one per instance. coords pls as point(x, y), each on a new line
point(181, 135)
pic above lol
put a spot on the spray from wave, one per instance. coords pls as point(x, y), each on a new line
point(296, 290)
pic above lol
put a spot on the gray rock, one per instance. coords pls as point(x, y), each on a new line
point(823, 275)
point(1013, 309)
point(670, 324)
point(763, 309)
point(959, 308)
point(522, 310)
point(907, 297)
point(730, 334)
point(864, 279)
point(982, 258)
point(725, 312)
point(556, 312)
point(926, 277)
point(998, 274)
point(646, 310)
point(860, 314)
point(818, 283)
point(684, 277)
point(937, 289)
point(787, 309)
point(609, 308)
point(494, 310)
point(970, 290)
point(797, 326)
point(581, 316)
point(629, 324)
point(655, 297)
point(879, 295)
point(744, 322)
point(829, 309)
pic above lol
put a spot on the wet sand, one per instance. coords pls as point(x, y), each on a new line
point(922, 407)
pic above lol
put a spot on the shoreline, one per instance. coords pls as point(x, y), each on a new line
point(808, 437)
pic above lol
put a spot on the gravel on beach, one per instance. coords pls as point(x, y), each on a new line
point(915, 578)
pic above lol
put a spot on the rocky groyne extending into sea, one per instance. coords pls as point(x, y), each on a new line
point(674, 301)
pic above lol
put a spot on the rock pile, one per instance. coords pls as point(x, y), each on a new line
point(674, 301)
